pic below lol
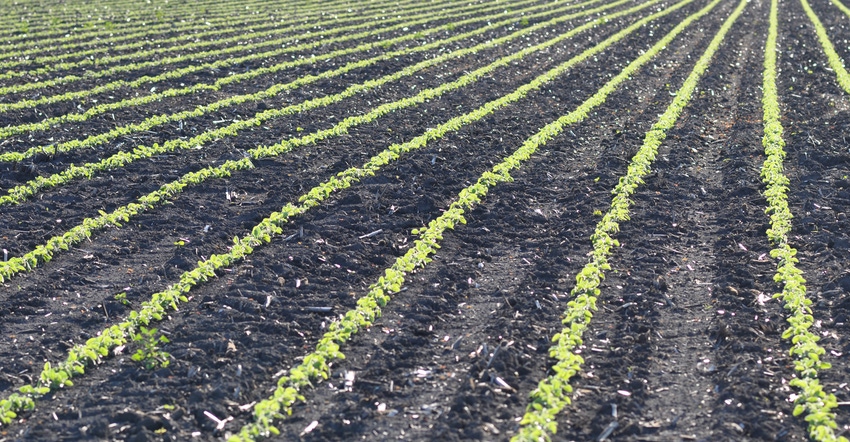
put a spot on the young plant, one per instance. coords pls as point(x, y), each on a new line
point(122, 298)
point(149, 353)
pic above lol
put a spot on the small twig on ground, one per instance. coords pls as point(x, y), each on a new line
point(369, 235)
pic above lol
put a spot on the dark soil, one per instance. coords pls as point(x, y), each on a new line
point(686, 344)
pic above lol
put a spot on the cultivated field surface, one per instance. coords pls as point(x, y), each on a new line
point(578, 220)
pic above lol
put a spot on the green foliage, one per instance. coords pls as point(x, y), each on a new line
point(45, 252)
point(149, 353)
point(136, 325)
point(813, 401)
point(16, 403)
point(57, 36)
point(316, 365)
point(551, 394)
point(22, 192)
point(135, 23)
point(158, 120)
point(279, 46)
point(832, 57)
point(84, 231)
point(91, 353)
point(122, 298)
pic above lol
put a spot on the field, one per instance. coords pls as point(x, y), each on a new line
point(425, 220)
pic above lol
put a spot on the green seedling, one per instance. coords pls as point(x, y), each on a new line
point(149, 353)
point(122, 298)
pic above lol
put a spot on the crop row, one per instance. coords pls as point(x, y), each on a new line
point(316, 39)
point(55, 28)
point(218, 64)
point(221, 46)
point(20, 34)
point(90, 353)
point(551, 394)
point(832, 57)
point(231, 79)
point(813, 401)
point(45, 252)
point(25, 191)
point(210, 35)
point(126, 30)
point(817, 404)
point(315, 365)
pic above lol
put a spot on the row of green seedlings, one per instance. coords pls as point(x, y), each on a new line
point(272, 91)
point(813, 401)
point(22, 192)
point(94, 32)
point(95, 349)
point(48, 12)
point(316, 40)
point(138, 31)
point(55, 29)
point(221, 45)
point(149, 354)
point(45, 252)
point(208, 32)
point(17, 26)
point(841, 6)
point(832, 57)
point(22, 28)
point(180, 72)
point(218, 84)
point(316, 365)
point(552, 393)
point(250, 52)
point(186, 30)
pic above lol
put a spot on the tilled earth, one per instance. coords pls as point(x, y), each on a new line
point(686, 344)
